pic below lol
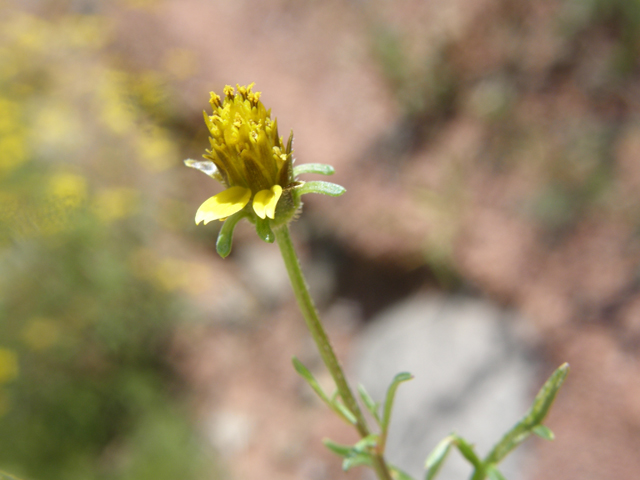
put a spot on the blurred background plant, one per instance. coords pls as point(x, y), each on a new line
point(88, 308)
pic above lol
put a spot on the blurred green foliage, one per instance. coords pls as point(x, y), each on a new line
point(87, 308)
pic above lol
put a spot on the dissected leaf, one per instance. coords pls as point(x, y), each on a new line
point(344, 412)
point(466, 449)
point(530, 423)
point(337, 448)
point(308, 376)
point(369, 403)
point(543, 432)
point(319, 168)
point(390, 397)
point(493, 473)
point(437, 457)
point(398, 474)
point(323, 188)
point(355, 455)
point(367, 443)
point(532, 419)
point(547, 394)
point(357, 461)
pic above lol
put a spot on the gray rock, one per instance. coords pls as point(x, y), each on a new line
point(263, 272)
point(473, 375)
point(230, 432)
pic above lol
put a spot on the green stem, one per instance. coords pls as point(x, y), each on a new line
point(319, 335)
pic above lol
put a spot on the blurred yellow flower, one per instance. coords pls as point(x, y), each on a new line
point(8, 365)
point(155, 149)
point(13, 150)
point(86, 30)
point(68, 188)
point(10, 205)
point(13, 135)
point(57, 124)
point(116, 112)
point(172, 274)
point(169, 273)
point(115, 203)
point(29, 31)
point(40, 333)
point(249, 156)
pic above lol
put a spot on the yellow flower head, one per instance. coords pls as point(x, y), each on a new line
point(249, 156)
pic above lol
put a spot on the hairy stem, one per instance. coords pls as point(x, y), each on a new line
point(319, 335)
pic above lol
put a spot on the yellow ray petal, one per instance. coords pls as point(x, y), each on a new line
point(224, 204)
point(265, 201)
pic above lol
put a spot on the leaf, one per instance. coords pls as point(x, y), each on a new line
point(354, 456)
point(543, 432)
point(437, 457)
point(390, 397)
point(356, 461)
point(344, 412)
point(337, 448)
point(547, 395)
point(313, 383)
point(466, 449)
point(532, 419)
point(493, 473)
point(324, 188)
point(398, 474)
point(319, 168)
point(332, 403)
point(366, 444)
point(371, 405)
